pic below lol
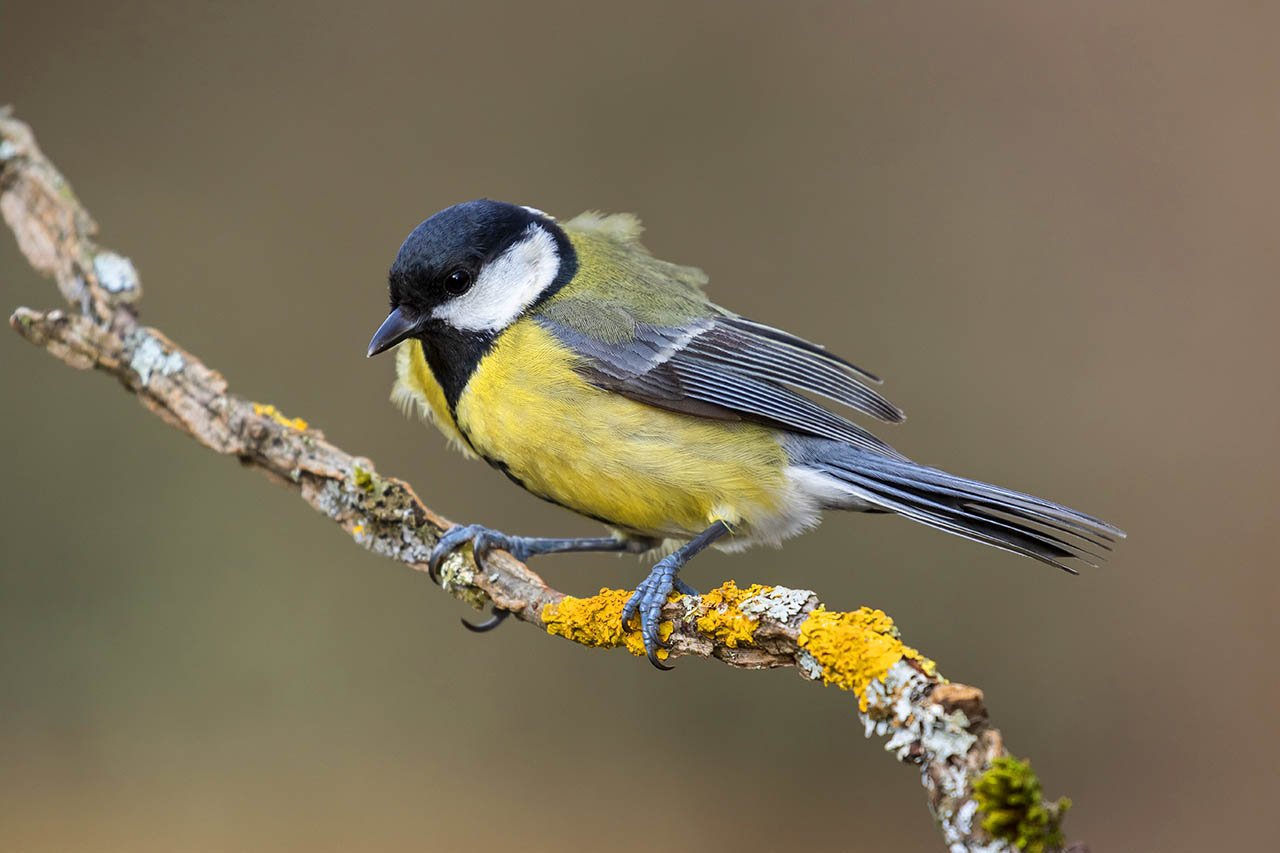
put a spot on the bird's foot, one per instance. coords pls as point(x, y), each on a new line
point(482, 539)
point(648, 599)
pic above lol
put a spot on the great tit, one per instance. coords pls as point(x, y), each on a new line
point(602, 379)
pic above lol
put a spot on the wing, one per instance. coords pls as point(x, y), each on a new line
point(723, 366)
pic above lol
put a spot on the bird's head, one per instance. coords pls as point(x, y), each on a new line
point(474, 267)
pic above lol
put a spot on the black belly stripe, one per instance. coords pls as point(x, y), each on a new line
point(452, 354)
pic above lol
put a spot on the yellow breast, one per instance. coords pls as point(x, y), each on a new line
point(630, 465)
point(417, 391)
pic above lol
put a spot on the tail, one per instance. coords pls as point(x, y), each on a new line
point(1002, 518)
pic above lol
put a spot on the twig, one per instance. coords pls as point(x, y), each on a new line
point(983, 800)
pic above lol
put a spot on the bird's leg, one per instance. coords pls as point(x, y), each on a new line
point(483, 540)
point(652, 592)
point(683, 588)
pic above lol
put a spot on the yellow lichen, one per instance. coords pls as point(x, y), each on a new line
point(597, 621)
point(721, 618)
point(358, 529)
point(856, 648)
point(276, 415)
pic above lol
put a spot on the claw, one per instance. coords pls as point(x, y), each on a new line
point(653, 659)
point(648, 599)
point(629, 609)
point(495, 619)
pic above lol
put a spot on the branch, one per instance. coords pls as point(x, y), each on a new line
point(983, 799)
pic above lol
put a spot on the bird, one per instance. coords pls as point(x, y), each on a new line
point(603, 379)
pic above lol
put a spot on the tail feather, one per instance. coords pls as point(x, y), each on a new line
point(1002, 518)
point(1054, 515)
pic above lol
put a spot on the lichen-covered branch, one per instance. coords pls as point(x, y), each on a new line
point(983, 799)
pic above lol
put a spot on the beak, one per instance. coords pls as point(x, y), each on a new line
point(398, 326)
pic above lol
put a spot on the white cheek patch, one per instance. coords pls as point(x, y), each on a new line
point(506, 285)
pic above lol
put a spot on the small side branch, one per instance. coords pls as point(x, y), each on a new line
point(983, 799)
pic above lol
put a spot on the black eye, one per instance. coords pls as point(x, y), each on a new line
point(458, 282)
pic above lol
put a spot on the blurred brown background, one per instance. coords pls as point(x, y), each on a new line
point(1051, 226)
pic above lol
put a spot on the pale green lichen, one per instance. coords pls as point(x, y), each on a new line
point(115, 273)
point(1013, 807)
point(777, 603)
point(896, 708)
point(597, 621)
point(946, 734)
point(809, 665)
point(150, 358)
point(458, 578)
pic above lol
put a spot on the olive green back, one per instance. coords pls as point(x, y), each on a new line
point(619, 284)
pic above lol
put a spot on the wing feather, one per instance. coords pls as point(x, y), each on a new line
point(743, 393)
point(716, 369)
point(769, 359)
point(786, 339)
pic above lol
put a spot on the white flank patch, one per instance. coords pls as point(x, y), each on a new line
point(827, 491)
point(506, 285)
point(799, 509)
